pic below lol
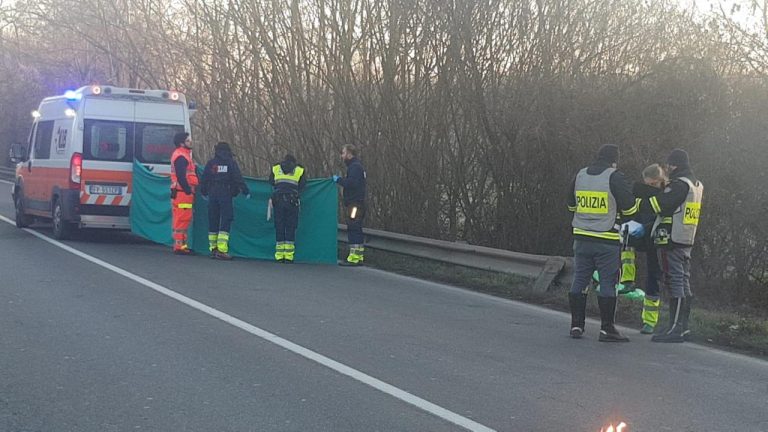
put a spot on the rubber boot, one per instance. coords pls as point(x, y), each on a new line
point(608, 332)
point(674, 333)
point(685, 317)
point(578, 302)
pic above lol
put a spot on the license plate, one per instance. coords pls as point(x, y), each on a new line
point(105, 190)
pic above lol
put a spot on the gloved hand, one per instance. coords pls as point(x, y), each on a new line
point(638, 231)
point(205, 197)
point(247, 196)
point(335, 178)
point(634, 229)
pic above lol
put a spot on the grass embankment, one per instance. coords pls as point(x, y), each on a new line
point(721, 328)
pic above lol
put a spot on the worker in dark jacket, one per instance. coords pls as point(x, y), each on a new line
point(654, 182)
point(288, 180)
point(354, 204)
point(599, 197)
point(674, 231)
point(222, 181)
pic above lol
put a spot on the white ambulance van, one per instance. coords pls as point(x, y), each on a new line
point(77, 170)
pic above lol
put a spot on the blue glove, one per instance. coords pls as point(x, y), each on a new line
point(633, 228)
point(247, 196)
point(335, 178)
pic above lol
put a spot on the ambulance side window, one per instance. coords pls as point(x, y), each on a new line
point(43, 138)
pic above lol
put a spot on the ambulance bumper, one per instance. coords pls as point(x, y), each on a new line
point(112, 222)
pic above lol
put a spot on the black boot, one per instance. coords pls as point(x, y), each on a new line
point(608, 332)
point(685, 316)
point(674, 333)
point(578, 304)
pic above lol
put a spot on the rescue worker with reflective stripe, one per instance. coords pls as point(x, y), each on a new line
point(654, 181)
point(183, 183)
point(353, 198)
point(288, 180)
point(600, 195)
point(674, 231)
point(222, 181)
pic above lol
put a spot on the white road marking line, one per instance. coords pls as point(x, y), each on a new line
point(341, 368)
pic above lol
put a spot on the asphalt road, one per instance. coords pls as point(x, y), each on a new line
point(108, 336)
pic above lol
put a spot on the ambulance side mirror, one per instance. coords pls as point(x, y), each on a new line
point(17, 153)
point(192, 108)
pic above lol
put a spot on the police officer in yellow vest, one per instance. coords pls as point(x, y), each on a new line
point(674, 231)
point(288, 180)
point(599, 197)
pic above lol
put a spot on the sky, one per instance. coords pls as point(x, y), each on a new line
point(743, 16)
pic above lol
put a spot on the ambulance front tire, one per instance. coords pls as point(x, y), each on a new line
point(22, 220)
point(62, 229)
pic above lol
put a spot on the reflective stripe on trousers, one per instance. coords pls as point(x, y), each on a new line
point(356, 253)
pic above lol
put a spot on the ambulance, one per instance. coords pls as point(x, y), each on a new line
point(77, 169)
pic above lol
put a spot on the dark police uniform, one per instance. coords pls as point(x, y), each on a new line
point(222, 180)
point(288, 180)
point(353, 197)
point(599, 196)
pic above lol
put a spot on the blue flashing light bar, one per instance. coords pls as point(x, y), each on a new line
point(71, 95)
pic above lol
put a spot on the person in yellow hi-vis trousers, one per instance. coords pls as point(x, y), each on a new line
point(222, 180)
point(288, 180)
point(654, 182)
point(354, 185)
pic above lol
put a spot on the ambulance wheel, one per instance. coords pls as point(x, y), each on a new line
point(62, 229)
point(22, 220)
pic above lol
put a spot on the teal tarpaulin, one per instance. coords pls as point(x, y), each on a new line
point(252, 235)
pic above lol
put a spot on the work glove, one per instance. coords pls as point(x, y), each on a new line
point(634, 229)
point(247, 196)
point(335, 178)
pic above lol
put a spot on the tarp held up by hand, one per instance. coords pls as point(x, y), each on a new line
point(252, 235)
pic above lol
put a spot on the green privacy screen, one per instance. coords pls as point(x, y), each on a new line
point(252, 235)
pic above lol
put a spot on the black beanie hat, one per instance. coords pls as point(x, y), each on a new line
point(222, 146)
point(608, 153)
point(678, 158)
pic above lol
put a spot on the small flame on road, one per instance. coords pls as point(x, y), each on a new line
point(619, 428)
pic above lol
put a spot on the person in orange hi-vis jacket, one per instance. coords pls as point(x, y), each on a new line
point(183, 183)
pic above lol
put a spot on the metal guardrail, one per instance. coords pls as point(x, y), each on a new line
point(544, 269)
point(7, 173)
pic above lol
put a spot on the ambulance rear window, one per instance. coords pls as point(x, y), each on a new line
point(154, 142)
point(108, 140)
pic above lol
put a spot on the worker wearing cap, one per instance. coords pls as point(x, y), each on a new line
point(599, 196)
point(674, 231)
